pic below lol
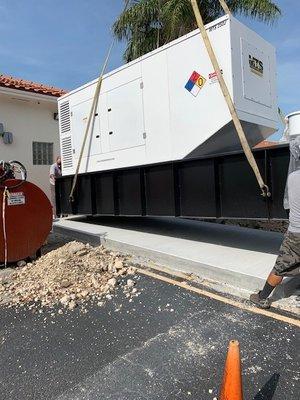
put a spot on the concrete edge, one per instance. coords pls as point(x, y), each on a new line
point(202, 270)
point(93, 239)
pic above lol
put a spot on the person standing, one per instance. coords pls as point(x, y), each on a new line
point(55, 172)
point(288, 260)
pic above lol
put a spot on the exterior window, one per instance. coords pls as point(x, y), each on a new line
point(42, 153)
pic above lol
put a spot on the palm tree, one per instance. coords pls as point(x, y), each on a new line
point(148, 24)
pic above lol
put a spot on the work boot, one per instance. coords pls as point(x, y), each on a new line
point(261, 303)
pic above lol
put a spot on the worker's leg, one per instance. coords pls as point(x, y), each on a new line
point(287, 260)
point(53, 200)
point(272, 281)
point(261, 298)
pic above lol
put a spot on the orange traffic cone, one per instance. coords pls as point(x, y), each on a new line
point(231, 388)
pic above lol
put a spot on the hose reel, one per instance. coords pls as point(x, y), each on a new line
point(10, 170)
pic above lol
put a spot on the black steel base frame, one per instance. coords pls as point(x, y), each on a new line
point(220, 186)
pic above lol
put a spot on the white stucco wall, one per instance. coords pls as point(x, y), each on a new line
point(30, 119)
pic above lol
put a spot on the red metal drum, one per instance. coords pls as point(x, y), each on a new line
point(28, 220)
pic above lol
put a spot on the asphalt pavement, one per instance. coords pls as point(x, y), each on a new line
point(168, 343)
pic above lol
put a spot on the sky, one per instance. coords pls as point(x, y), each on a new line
point(63, 42)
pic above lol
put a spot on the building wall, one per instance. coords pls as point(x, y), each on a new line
point(29, 120)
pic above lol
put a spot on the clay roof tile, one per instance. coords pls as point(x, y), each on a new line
point(22, 84)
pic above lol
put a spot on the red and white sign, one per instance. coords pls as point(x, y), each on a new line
point(213, 77)
point(16, 199)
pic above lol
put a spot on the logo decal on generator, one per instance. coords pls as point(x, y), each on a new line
point(195, 83)
point(256, 65)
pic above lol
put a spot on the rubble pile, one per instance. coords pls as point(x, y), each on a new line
point(68, 277)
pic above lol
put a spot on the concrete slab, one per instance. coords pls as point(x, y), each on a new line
point(228, 254)
point(212, 250)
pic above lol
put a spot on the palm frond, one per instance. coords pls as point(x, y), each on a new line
point(147, 24)
point(263, 10)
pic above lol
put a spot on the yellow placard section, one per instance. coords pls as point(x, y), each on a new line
point(200, 81)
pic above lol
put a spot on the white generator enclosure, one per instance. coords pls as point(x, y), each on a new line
point(168, 105)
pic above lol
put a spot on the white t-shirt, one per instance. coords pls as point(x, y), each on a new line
point(55, 172)
point(294, 201)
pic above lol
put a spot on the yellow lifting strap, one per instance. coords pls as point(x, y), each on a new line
point(91, 119)
point(93, 109)
point(225, 7)
point(227, 97)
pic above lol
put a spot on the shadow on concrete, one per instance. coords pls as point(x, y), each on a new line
point(268, 390)
point(207, 232)
point(289, 287)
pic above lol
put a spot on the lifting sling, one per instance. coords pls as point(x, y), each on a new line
point(227, 97)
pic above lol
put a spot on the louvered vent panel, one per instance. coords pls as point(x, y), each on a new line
point(64, 117)
point(66, 150)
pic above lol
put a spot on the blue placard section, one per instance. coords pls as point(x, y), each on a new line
point(189, 86)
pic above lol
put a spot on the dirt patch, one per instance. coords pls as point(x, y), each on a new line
point(68, 277)
point(263, 225)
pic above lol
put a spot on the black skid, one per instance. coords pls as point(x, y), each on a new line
point(219, 186)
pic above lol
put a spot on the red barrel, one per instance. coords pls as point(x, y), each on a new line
point(27, 220)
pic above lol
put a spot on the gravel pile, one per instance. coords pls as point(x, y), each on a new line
point(68, 277)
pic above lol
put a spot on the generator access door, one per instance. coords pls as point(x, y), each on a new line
point(126, 116)
point(80, 115)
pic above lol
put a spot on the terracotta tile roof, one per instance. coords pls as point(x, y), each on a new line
point(266, 143)
point(28, 86)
